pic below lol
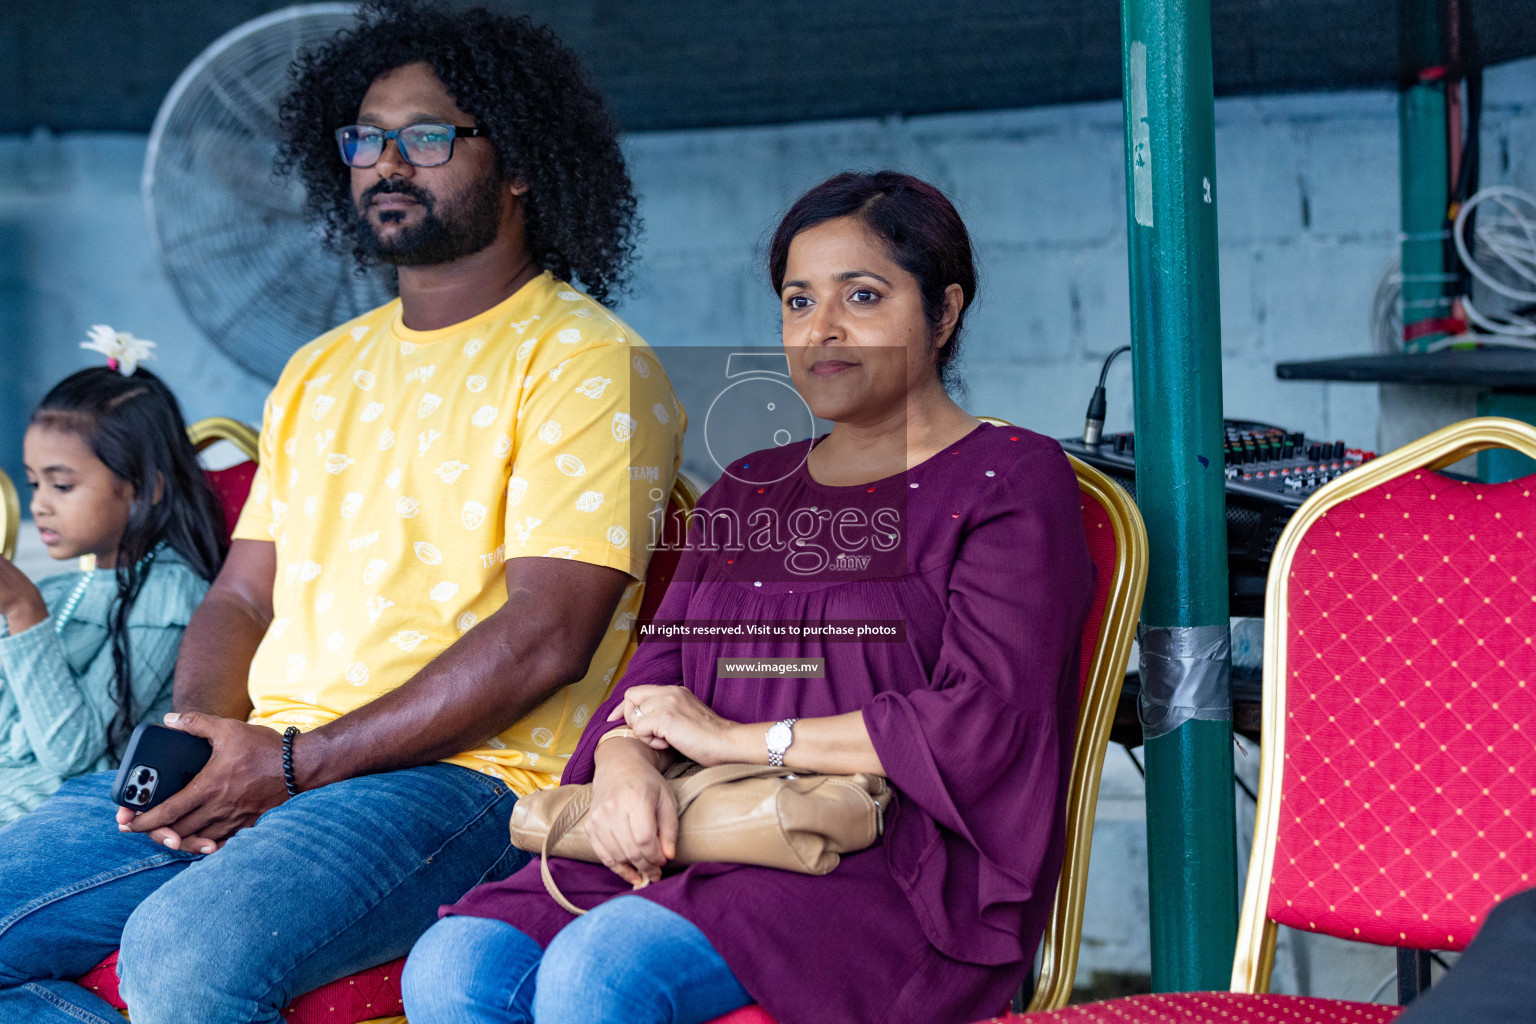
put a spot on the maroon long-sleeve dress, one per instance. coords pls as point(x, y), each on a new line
point(979, 552)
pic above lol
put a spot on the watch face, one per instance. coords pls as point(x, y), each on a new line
point(779, 736)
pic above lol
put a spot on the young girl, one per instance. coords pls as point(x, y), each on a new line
point(89, 654)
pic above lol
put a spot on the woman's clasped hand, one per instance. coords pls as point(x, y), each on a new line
point(632, 824)
point(633, 820)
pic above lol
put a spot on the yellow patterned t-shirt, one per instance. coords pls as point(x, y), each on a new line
point(400, 469)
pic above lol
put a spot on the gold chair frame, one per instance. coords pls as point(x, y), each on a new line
point(1096, 713)
point(10, 516)
point(1254, 959)
point(206, 433)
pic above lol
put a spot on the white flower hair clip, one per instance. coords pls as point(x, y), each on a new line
point(124, 352)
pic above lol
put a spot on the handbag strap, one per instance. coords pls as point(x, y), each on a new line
point(574, 810)
point(692, 785)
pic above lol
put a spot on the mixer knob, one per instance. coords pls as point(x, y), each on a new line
point(1338, 449)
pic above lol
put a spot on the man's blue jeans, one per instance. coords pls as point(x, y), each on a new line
point(334, 881)
point(629, 961)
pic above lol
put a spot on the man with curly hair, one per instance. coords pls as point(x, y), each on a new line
point(434, 580)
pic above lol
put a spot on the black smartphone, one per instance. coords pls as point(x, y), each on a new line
point(158, 763)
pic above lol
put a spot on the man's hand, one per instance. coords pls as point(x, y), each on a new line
point(20, 602)
point(241, 782)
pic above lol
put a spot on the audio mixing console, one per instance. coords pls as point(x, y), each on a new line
point(1269, 471)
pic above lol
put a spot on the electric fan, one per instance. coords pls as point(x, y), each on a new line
point(249, 269)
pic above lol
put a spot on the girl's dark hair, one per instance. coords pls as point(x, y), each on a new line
point(134, 426)
point(918, 223)
point(523, 86)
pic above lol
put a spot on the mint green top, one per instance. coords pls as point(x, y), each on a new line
point(56, 701)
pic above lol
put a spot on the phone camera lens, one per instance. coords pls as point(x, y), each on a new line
point(131, 794)
point(143, 778)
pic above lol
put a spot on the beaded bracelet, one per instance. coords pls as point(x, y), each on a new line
point(288, 780)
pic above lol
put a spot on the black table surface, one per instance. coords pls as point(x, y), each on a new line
point(1505, 368)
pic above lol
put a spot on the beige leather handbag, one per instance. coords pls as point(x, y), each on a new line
point(731, 813)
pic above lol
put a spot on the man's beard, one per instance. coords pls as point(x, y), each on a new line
point(466, 226)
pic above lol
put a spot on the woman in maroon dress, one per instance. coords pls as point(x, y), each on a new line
point(961, 544)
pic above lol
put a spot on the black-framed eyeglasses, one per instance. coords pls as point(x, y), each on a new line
point(427, 144)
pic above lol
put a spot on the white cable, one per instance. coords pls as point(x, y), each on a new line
point(1506, 241)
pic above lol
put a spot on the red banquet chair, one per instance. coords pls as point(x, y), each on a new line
point(1397, 800)
point(373, 996)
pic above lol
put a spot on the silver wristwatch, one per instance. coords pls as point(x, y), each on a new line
point(780, 736)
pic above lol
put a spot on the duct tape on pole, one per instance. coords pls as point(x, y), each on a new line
point(1186, 674)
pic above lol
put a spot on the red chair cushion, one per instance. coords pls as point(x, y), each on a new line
point(1409, 791)
point(233, 486)
point(1213, 1008)
point(362, 996)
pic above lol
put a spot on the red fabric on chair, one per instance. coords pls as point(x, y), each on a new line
point(102, 979)
point(232, 485)
point(1409, 794)
point(358, 997)
point(362, 996)
point(1101, 548)
point(1213, 1008)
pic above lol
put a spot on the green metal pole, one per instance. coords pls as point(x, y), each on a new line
point(1180, 488)
point(1423, 166)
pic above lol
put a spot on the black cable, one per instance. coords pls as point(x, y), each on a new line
point(1109, 360)
point(1132, 755)
point(1093, 422)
